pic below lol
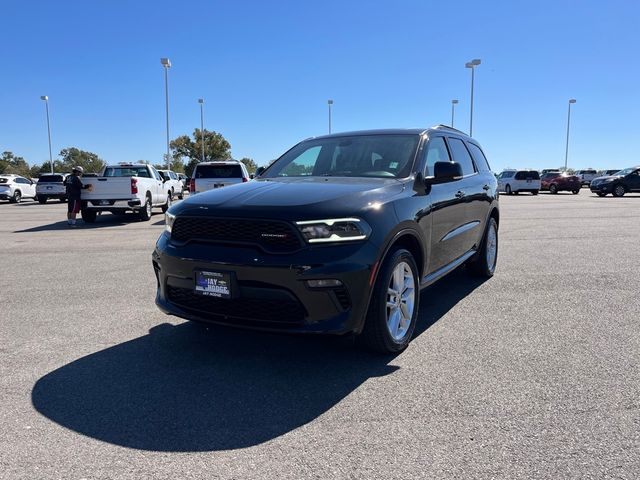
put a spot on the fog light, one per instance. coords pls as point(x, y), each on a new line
point(325, 283)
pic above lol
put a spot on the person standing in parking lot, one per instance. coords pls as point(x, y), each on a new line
point(74, 191)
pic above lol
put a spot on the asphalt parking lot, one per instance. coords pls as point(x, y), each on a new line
point(532, 374)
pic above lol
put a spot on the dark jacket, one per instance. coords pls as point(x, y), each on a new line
point(74, 187)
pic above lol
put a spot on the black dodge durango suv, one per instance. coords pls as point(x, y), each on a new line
point(336, 236)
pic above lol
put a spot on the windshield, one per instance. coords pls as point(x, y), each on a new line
point(626, 171)
point(133, 171)
point(218, 171)
point(356, 156)
point(50, 179)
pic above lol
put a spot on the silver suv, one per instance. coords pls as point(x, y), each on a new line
point(51, 186)
point(217, 174)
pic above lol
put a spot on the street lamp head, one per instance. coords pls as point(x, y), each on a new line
point(201, 100)
point(573, 100)
point(165, 62)
point(44, 97)
point(475, 61)
point(468, 65)
point(454, 101)
point(330, 102)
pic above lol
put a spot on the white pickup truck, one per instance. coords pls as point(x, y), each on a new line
point(125, 187)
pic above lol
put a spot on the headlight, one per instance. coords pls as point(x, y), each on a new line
point(607, 180)
point(169, 218)
point(334, 230)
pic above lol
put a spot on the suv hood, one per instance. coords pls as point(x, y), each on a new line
point(306, 196)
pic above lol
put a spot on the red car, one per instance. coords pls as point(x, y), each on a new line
point(557, 181)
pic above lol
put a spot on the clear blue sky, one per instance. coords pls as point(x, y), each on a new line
point(266, 70)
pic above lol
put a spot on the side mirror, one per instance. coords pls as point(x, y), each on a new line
point(444, 172)
point(251, 176)
point(259, 171)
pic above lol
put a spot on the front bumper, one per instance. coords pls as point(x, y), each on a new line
point(271, 292)
point(602, 187)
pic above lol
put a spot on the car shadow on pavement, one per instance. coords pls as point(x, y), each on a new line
point(102, 221)
point(192, 388)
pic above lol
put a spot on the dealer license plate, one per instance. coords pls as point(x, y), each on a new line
point(213, 284)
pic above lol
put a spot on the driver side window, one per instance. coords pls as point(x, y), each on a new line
point(436, 152)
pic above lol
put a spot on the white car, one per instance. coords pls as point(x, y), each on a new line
point(516, 181)
point(172, 181)
point(14, 188)
point(51, 185)
point(217, 174)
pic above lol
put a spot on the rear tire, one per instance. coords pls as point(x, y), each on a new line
point(507, 190)
point(17, 197)
point(145, 211)
point(618, 190)
point(42, 199)
point(534, 192)
point(484, 262)
point(553, 188)
point(393, 311)
point(88, 216)
point(602, 194)
point(575, 192)
point(63, 200)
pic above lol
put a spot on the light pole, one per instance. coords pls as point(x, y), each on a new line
point(166, 63)
point(472, 65)
point(454, 102)
point(46, 103)
point(329, 103)
point(566, 151)
point(201, 102)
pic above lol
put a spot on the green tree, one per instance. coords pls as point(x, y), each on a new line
point(215, 147)
point(11, 164)
point(73, 156)
point(250, 164)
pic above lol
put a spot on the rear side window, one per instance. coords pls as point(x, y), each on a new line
point(50, 179)
point(478, 156)
point(527, 175)
point(4, 180)
point(218, 171)
point(461, 155)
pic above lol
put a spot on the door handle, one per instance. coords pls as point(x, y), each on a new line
point(460, 194)
point(486, 187)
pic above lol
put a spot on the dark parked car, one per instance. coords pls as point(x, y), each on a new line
point(607, 173)
point(337, 236)
point(556, 182)
point(624, 181)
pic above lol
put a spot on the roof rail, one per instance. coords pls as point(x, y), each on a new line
point(450, 128)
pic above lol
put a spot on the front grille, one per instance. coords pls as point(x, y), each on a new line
point(272, 236)
point(242, 310)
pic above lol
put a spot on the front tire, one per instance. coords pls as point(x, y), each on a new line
point(393, 311)
point(602, 194)
point(167, 205)
point(618, 190)
point(534, 192)
point(553, 188)
point(575, 192)
point(484, 262)
point(507, 190)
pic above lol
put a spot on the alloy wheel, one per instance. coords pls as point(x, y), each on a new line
point(400, 301)
point(492, 248)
